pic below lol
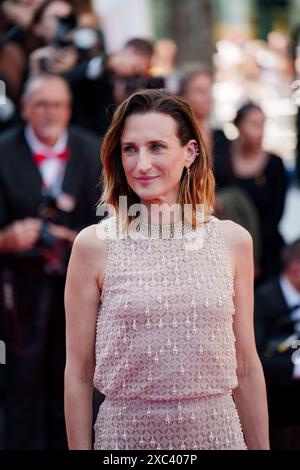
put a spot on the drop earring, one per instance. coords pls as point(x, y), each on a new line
point(188, 176)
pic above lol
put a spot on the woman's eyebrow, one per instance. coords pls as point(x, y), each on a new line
point(153, 141)
point(160, 141)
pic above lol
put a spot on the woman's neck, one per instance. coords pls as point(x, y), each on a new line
point(160, 212)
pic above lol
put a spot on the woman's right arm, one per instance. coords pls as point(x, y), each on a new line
point(82, 296)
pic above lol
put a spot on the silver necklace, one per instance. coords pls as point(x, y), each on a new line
point(156, 231)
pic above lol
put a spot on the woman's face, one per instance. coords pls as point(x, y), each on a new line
point(199, 94)
point(153, 157)
point(251, 128)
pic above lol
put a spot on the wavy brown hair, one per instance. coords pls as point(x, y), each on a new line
point(202, 184)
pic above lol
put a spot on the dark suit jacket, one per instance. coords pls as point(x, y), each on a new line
point(272, 322)
point(20, 197)
point(32, 317)
point(221, 158)
point(20, 180)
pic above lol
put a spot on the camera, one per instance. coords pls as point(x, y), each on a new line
point(67, 33)
point(64, 26)
point(54, 250)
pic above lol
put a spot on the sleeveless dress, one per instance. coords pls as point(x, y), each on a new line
point(165, 348)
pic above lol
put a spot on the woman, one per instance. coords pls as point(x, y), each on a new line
point(196, 88)
point(262, 176)
point(161, 346)
point(231, 202)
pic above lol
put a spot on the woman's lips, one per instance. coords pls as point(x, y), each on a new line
point(146, 178)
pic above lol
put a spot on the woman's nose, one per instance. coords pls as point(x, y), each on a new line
point(144, 161)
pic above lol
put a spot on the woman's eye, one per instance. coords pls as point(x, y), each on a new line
point(156, 147)
point(129, 149)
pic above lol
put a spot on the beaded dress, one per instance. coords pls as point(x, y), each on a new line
point(165, 348)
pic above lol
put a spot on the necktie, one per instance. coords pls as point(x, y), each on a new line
point(39, 158)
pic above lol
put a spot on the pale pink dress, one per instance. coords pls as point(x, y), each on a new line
point(165, 348)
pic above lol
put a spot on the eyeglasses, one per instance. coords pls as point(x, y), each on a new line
point(44, 105)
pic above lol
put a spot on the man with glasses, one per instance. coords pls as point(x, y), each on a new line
point(49, 187)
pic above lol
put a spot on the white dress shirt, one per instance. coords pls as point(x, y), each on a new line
point(292, 298)
point(52, 169)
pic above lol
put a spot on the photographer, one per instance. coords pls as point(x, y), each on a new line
point(68, 39)
point(49, 187)
point(105, 81)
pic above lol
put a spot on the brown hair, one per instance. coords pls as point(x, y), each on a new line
point(189, 73)
point(243, 111)
point(140, 46)
point(114, 183)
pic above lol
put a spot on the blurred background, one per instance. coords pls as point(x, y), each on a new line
point(250, 45)
point(64, 67)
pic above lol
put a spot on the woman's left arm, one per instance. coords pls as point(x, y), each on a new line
point(250, 395)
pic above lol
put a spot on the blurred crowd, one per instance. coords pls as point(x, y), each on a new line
point(62, 88)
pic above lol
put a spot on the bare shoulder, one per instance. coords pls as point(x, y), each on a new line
point(88, 242)
point(236, 236)
point(90, 251)
point(238, 241)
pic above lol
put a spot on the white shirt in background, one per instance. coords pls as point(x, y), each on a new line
point(52, 169)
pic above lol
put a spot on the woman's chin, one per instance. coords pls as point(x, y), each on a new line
point(147, 197)
point(146, 194)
